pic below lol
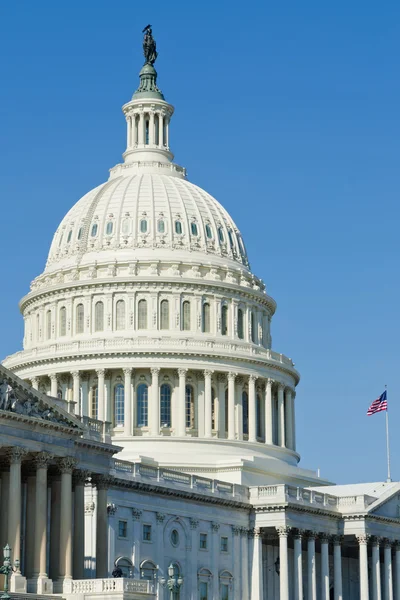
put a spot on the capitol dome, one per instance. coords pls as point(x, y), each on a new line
point(148, 320)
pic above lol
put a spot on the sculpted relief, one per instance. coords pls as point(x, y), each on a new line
point(13, 401)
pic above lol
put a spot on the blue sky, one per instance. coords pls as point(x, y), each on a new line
point(287, 113)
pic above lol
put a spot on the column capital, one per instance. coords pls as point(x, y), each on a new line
point(269, 382)
point(208, 373)
point(102, 482)
point(215, 527)
point(244, 531)
point(67, 464)
point(182, 372)
point(127, 371)
point(324, 538)
point(42, 460)
point(16, 454)
point(252, 379)
point(89, 508)
point(111, 509)
point(311, 535)
point(363, 538)
point(337, 540)
point(221, 378)
point(75, 374)
point(235, 530)
point(283, 531)
point(298, 534)
point(376, 540)
point(194, 523)
point(79, 477)
point(34, 382)
point(387, 543)
point(232, 376)
point(255, 532)
point(281, 387)
point(100, 372)
point(53, 376)
point(137, 514)
point(160, 518)
point(156, 370)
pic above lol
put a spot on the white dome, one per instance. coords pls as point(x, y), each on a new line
point(132, 215)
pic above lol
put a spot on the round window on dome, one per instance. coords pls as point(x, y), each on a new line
point(109, 228)
point(143, 226)
point(178, 227)
point(193, 228)
point(69, 236)
point(174, 537)
point(208, 231)
point(94, 230)
point(221, 235)
point(161, 226)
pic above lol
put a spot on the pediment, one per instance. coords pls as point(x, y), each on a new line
point(21, 400)
point(387, 505)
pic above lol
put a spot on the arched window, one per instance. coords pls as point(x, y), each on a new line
point(213, 411)
point(208, 231)
point(63, 321)
point(226, 410)
point(258, 416)
point(165, 405)
point(94, 230)
point(69, 236)
point(109, 228)
point(126, 226)
point(221, 235)
point(164, 314)
point(94, 409)
point(230, 238)
point(126, 566)
point(119, 396)
point(224, 320)
point(206, 318)
point(143, 226)
point(80, 233)
point(120, 315)
point(189, 396)
point(48, 324)
point(148, 570)
point(253, 328)
point(80, 318)
point(142, 314)
point(240, 327)
point(186, 316)
point(178, 227)
point(142, 405)
point(147, 132)
point(37, 326)
point(161, 226)
point(99, 316)
point(245, 406)
point(193, 228)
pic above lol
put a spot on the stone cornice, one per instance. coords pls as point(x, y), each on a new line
point(300, 509)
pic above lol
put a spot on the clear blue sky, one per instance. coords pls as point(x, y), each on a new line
point(288, 113)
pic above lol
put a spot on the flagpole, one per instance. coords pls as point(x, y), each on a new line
point(389, 479)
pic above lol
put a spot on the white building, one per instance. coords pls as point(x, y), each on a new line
point(149, 336)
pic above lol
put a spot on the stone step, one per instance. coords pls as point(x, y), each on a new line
point(18, 596)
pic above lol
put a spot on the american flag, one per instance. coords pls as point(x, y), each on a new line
point(378, 404)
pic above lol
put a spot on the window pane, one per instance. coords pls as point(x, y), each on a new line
point(161, 227)
point(94, 229)
point(120, 315)
point(240, 324)
point(142, 405)
point(80, 233)
point(178, 227)
point(186, 316)
point(63, 321)
point(143, 226)
point(230, 238)
point(221, 234)
point(109, 228)
point(80, 318)
point(224, 320)
point(122, 529)
point(206, 317)
point(189, 407)
point(203, 591)
point(69, 236)
point(94, 407)
point(253, 329)
point(208, 232)
point(164, 314)
point(203, 541)
point(142, 314)
point(193, 228)
point(119, 395)
point(165, 405)
point(99, 316)
point(245, 401)
point(147, 533)
point(224, 592)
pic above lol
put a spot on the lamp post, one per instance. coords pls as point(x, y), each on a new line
point(6, 569)
point(174, 581)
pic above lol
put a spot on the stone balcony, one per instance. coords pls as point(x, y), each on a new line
point(115, 589)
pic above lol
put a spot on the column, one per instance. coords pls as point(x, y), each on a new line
point(311, 570)
point(363, 559)
point(85, 394)
point(137, 536)
point(15, 456)
point(75, 392)
point(5, 487)
point(376, 591)
point(337, 568)
point(281, 415)
point(155, 402)
point(245, 563)
point(231, 406)
point(35, 383)
point(252, 408)
point(167, 131)
point(108, 401)
point(239, 407)
point(192, 575)
point(30, 522)
point(215, 558)
point(79, 480)
point(66, 466)
point(151, 129)
point(53, 385)
point(269, 439)
point(397, 563)
point(293, 420)
point(324, 539)
point(100, 394)
point(388, 583)
point(102, 484)
point(207, 403)
point(288, 418)
point(221, 406)
point(298, 565)
point(181, 422)
point(128, 131)
point(141, 128)
point(160, 130)
point(160, 518)
point(42, 460)
point(283, 533)
point(55, 517)
point(128, 421)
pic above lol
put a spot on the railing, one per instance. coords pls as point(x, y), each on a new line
point(101, 586)
point(203, 485)
point(96, 430)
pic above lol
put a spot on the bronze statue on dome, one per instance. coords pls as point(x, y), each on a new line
point(149, 46)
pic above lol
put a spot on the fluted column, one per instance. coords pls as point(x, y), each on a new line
point(293, 419)
point(231, 406)
point(151, 129)
point(75, 392)
point(66, 466)
point(221, 405)
point(181, 423)
point(141, 128)
point(283, 533)
point(30, 521)
point(128, 421)
point(102, 483)
point(53, 385)
point(397, 563)
point(35, 383)
point(281, 416)
point(376, 591)
point(288, 418)
point(15, 456)
point(55, 512)
point(363, 559)
point(324, 539)
point(42, 460)
point(100, 394)
point(311, 568)
point(298, 565)
point(79, 480)
point(207, 403)
point(337, 568)
point(388, 582)
point(269, 426)
point(245, 563)
point(160, 129)
point(252, 408)
point(155, 402)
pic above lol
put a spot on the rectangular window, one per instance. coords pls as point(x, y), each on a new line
point(146, 533)
point(203, 590)
point(224, 592)
point(122, 529)
point(224, 544)
point(203, 541)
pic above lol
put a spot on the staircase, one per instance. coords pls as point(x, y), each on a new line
point(18, 596)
